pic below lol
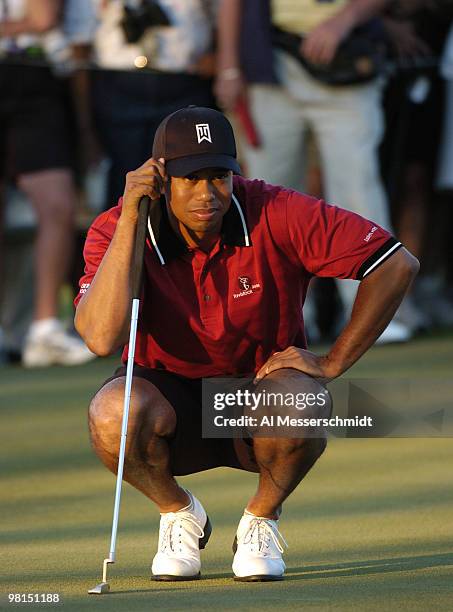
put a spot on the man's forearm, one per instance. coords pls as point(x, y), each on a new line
point(357, 12)
point(228, 32)
point(103, 313)
point(377, 300)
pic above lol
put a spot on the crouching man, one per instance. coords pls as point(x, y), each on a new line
point(227, 266)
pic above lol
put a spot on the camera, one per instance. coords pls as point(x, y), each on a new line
point(137, 19)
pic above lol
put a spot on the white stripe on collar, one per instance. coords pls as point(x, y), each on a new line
point(153, 240)
point(244, 225)
point(241, 215)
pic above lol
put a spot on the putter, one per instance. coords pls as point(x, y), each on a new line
point(140, 239)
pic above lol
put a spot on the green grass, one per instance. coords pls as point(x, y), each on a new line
point(371, 527)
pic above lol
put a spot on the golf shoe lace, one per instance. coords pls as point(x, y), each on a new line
point(261, 533)
point(175, 525)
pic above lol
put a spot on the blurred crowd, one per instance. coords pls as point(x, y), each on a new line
point(348, 100)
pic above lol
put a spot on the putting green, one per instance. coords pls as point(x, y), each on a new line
point(370, 528)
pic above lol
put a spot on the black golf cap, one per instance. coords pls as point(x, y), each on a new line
point(194, 138)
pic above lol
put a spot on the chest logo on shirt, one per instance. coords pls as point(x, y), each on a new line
point(246, 287)
point(203, 132)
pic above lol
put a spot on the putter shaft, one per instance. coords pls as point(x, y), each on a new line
point(143, 211)
point(104, 587)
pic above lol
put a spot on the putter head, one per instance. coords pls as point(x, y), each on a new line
point(100, 589)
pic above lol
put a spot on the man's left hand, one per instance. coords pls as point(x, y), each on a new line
point(319, 367)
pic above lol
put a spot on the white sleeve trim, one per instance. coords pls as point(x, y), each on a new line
point(381, 258)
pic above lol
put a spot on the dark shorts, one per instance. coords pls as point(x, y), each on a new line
point(189, 452)
point(34, 121)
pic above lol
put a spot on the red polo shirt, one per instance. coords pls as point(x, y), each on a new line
point(226, 312)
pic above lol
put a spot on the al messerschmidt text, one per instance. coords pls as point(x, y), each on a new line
point(287, 421)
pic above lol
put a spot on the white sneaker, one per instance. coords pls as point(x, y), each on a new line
point(258, 550)
point(48, 343)
point(182, 535)
point(394, 332)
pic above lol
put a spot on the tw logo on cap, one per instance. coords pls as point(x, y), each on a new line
point(203, 132)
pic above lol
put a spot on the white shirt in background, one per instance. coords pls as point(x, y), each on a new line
point(171, 48)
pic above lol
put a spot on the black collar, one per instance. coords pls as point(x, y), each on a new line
point(166, 243)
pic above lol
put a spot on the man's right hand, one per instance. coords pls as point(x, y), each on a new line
point(321, 44)
point(228, 91)
point(147, 180)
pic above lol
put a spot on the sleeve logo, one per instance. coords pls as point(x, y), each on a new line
point(370, 234)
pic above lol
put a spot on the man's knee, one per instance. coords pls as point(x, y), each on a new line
point(296, 405)
point(293, 406)
point(296, 394)
point(149, 414)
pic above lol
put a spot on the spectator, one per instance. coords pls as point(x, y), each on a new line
point(445, 172)
point(414, 105)
point(284, 99)
point(166, 64)
point(36, 153)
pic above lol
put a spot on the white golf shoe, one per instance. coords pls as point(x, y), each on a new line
point(48, 343)
point(182, 535)
point(258, 550)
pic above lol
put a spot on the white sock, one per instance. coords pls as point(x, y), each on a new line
point(189, 506)
point(248, 513)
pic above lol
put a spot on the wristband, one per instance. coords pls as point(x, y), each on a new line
point(229, 74)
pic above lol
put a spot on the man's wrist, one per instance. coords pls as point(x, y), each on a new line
point(332, 367)
point(230, 74)
point(128, 219)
